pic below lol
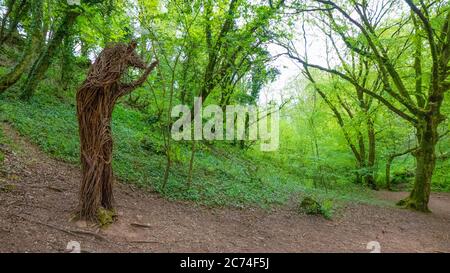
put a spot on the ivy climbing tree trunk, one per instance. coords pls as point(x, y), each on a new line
point(9, 8)
point(34, 42)
point(66, 64)
point(427, 134)
point(428, 121)
point(44, 60)
point(15, 13)
point(362, 164)
point(370, 179)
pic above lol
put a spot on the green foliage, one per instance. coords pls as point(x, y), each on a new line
point(223, 175)
point(47, 123)
point(310, 206)
point(221, 49)
point(327, 209)
point(402, 176)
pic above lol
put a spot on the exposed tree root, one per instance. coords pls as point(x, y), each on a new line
point(409, 203)
point(67, 231)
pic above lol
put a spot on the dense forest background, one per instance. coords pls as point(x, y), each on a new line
point(352, 120)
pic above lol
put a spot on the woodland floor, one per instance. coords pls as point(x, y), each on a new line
point(38, 195)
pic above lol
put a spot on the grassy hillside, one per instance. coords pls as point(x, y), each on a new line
point(223, 175)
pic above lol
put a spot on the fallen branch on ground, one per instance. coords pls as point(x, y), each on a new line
point(141, 225)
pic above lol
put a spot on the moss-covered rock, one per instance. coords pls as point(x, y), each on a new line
point(310, 206)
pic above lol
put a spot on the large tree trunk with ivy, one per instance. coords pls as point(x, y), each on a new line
point(34, 42)
point(427, 134)
point(16, 11)
point(44, 60)
point(67, 63)
point(428, 121)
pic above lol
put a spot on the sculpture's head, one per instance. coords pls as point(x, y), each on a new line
point(132, 45)
point(112, 63)
point(133, 58)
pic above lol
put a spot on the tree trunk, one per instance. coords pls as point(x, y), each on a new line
point(15, 16)
point(388, 173)
point(34, 42)
point(359, 179)
point(66, 64)
point(426, 161)
point(370, 179)
point(361, 160)
point(9, 8)
point(44, 60)
point(191, 165)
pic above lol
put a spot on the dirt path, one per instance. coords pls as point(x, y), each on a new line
point(38, 194)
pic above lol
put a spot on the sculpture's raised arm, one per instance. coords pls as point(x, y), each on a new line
point(129, 87)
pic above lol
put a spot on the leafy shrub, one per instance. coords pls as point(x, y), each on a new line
point(402, 177)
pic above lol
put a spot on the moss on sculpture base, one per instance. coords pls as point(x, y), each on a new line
point(106, 217)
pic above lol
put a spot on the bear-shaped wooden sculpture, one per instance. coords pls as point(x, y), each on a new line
point(95, 103)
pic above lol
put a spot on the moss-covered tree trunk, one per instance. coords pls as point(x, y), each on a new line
point(15, 13)
point(34, 42)
point(9, 8)
point(44, 60)
point(67, 63)
point(388, 173)
point(370, 178)
point(425, 155)
point(361, 160)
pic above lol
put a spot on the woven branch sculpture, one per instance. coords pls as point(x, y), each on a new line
point(95, 103)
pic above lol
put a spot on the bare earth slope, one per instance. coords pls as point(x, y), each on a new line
point(38, 194)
